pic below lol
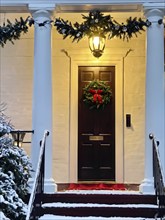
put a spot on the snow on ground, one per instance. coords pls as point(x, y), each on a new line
point(57, 217)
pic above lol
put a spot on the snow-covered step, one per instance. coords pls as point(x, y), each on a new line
point(90, 205)
point(58, 217)
point(95, 205)
point(101, 197)
point(102, 210)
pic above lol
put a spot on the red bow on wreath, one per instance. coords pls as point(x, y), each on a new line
point(97, 94)
point(97, 97)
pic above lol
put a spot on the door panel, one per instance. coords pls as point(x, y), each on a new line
point(96, 129)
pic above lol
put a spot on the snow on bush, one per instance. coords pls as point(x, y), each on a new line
point(11, 204)
point(2, 216)
point(5, 125)
point(15, 168)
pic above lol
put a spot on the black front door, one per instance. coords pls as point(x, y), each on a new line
point(96, 129)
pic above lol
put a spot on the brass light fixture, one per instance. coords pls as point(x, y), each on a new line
point(97, 45)
point(18, 137)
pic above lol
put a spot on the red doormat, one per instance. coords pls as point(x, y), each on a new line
point(100, 186)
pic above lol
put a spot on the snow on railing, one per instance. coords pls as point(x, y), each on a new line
point(38, 185)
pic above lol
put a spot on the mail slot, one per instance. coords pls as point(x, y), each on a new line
point(96, 138)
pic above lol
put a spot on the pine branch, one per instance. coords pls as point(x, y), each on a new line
point(96, 22)
point(11, 32)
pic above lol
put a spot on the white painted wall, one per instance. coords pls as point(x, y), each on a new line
point(134, 104)
point(16, 71)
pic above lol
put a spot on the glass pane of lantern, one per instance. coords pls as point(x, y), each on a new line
point(96, 45)
point(18, 138)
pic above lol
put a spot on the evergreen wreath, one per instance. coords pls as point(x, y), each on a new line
point(97, 94)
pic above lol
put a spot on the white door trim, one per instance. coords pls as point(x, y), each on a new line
point(119, 131)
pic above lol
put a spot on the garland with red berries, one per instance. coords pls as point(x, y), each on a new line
point(97, 94)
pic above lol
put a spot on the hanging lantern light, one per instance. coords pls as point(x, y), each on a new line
point(97, 45)
point(18, 137)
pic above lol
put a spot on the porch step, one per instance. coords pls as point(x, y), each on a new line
point(57, 217)
point(105, 205)
point(101, 198)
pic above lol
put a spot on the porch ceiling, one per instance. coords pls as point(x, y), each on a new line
point(77, 5)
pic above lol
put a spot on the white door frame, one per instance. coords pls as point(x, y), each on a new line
point(119, 131)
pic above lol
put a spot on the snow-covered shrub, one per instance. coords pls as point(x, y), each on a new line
point(15, 169)
point(14, 159)
point(5, 125)
point(11, 204)
point(2, 215)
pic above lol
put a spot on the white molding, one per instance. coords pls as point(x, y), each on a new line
point(78, 2)
point(49, 185)
point(77, 5)
point(153, 6)
point(45, 7)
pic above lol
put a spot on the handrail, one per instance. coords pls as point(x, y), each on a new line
point(159, 180)
point(22, 131)
point(39, 176)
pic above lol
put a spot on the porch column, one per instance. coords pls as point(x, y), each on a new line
point(42, 91)
point(154, 90)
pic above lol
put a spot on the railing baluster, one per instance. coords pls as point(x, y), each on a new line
point(159, 181)
point(35, 201)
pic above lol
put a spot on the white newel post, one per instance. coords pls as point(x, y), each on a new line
point(42, 93)
point(154, 91)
